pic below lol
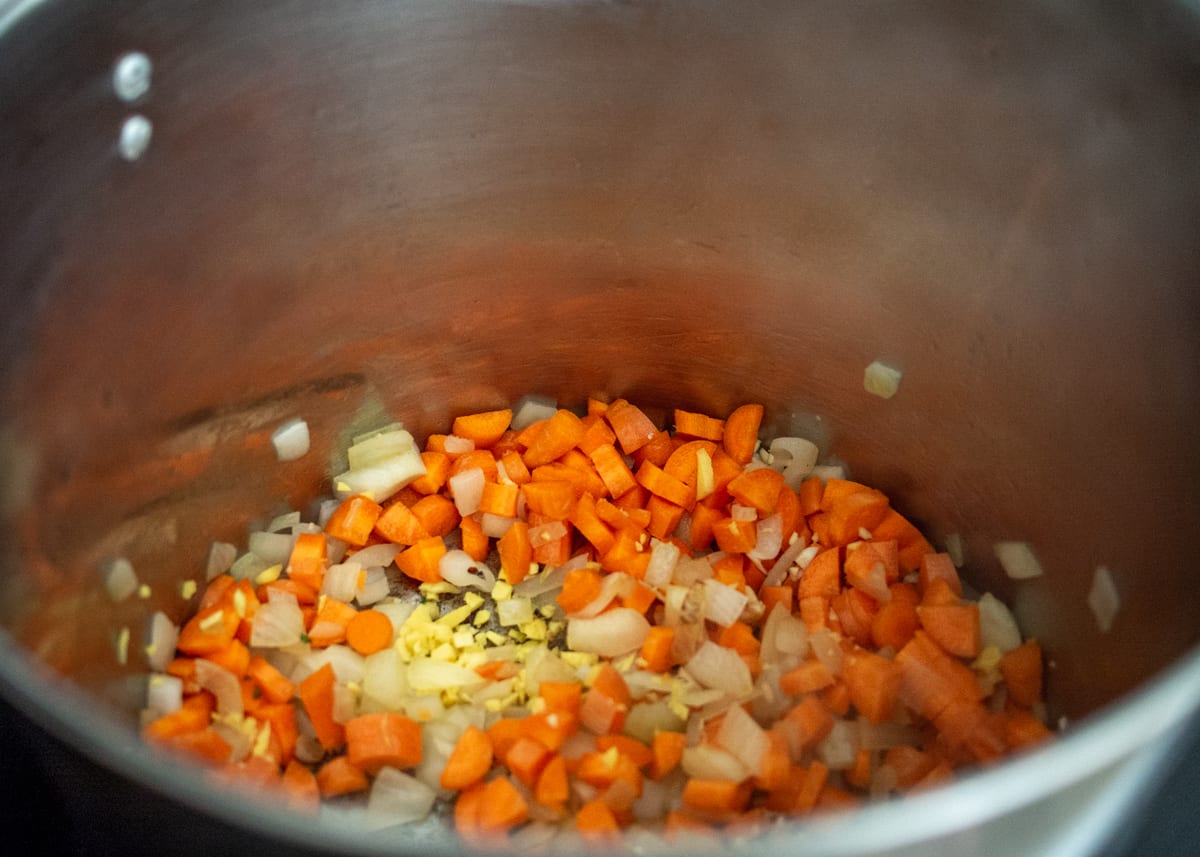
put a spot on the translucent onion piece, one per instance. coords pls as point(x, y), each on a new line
point(529, 409)
point(769, 539)
point(663, 558)
point(827, 650)
point(383, 680)
point(689, 570)
point(613, 633)
point(689, 637)
point(286, 521)
point(380, 466)
point(248, 566)
point(220, 558)
point(348, 665)
point(541, 664)
point(375, 587)
point(161, 638)
point(706, 762)
point(291, 440)
point(783, 565)
point(720, 668)
point(796, 455)
point(723, 604)
point(277, 623)
point(550, 531)
point(239, 738)
point(396, 610)
point(376, 555)
point(840, 746)
point(458, 567)
point(618, 584)
point(598, 712)
point(467, 489)
point(514, 611)
point(341, 581)
point(223, 684)
point(881, 380)
point(494, 526)
point(1104, 599)
point(825, 472)
point(426, 675)
point(646, 718)
point(742, 513)
point(997, 627)
point(396, 798)
point(744, 738)
point(548, 581)
point(1018, 560)
point(455, 445)
point(120, 580)
point(164, 694)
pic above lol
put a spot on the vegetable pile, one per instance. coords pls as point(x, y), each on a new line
point(571, 625)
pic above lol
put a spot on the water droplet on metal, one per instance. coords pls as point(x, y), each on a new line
point(131, 76)
point(135, 137)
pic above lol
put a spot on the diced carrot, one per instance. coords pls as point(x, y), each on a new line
point(595, 821)
point(630, 424)
point(525, 759)
point(481, 459)
point(776, 762)
point(209, 631)
point(717, 797)
point(814, 612)
point(912, 546)
point(1022, 671)
point(300, 788)
point(641, 598)
point(853, 513)
point(399, 525)
point(909, 763)
point(437, 514)
point(822, 577)
point(735, 536)
point(738, 636)
point(504, 733)
point(664, 517)
point(339, 777)
point(304, 594)
point(603, 768)
point(808, 677)
point(1022, 729)
point(275, 686)
point(866, 571)
point(791, 519)
point(369, 631)
point(741, 432)
point(178, 722)
point(516, 552)
point(701, 531)
point(698, 425)
point(596, 433)
point(811, 491)
point(873, 683)
point(501, 806)
point(939, 566)
point(485, 428)
point(856, 613)
point(606, 680)
point(580, 588)
point(932, 679)
point(640, 754)
point(836, 698)
point(437, 471)
point(316, 695)
point(954, 627)
point(807, 724)
point(613, 470)
point(474, 541)
point(235, 657)
point(551, 729)
point(308, 560)
point(558, 434)
point(939, 593)
point(758, 488)
point(555, 499)
point(470, 759)
point(515, 468)
point(329, 626)
point(354, 519)
point(772, 595)
point(894, 624)
point(383, 739)
point(204, 744)
point(660, 483)
point(573, 467)
point(466, 814)
point(561, 696)
point(499, 498)
point(683, 462)
point(586, 519)
point(420, 562)
point(282, 717)
point(861, 771)
point(553, 786)
point(667, 748)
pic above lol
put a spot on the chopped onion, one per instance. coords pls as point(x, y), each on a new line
point(396, 610)
point(663, 558)
point(720, 668)
point(689, 637)
point(827, 650)
point(742, 513)
point(341, 581)
point(548, 581)
point(881, 380)
point(348, 665)
point(161, 638)
point(744, 738)
point(876, 584)
point(455, 445)
point(164, 694)
point(707, 762)
point(374, 588)
point(427, 675)
point(784, 638)
point(723, 604)
point(466, 487)
point(120, 581)
point(220, 558)
point(997, 627)
point(783, 564)
point(689, 570)
point(542, 664)
point(825, 472)
point(1018, 560)
point(397, 798)
point(380, 465)
point(345, 703)
point(598, 712)
point(277, 623)
point(494, 526)
point(615, 585)
point(768, 539)
point(529, 409)
point(457, 567)
point(514, 611)
point(541, 534)
point(1104, 599)
point(382, 555)
point(249, 566)
point(840, 746)
point(223, 684)
point(646, 718)
point(957, 549)
point(797, 455)
point(383, 680)
point(613, 633)
point(291, 440)
point(286, 521)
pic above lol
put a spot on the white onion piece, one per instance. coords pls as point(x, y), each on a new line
point(768, 539)
point(876, 584)
point(397, 798)
point(654, 803)
point(120, 581)
point(286, 521)
point(881, 380)
point(689, 637)
point(466, 487)
point(161, 638)
point(797, 456)
point(220, 558)
point(744, 738)
point(345, 703)
point(514, 611)
point(529, 409)
point(291, 440)
point(646, 718)
point(706, 762)
point(341, 581)
point(541, 664)
point(396, 610)
point(613, 633)
point(277, 623)
point(348, 665)
point(840, 746)
point(458, 567)
point(1104, 599)
point(383, 680)
point(455, 445)
point(663, 558)
point(827, 650)
point(427, 675)
point(308, 748)
point(689, 570)
point(164, 694)
point(1018, 560)
point(380, 465)
point(742, 513)
point(223, 684)
point(957, 549)
point(720, 668)
point(783, 564)
point(548, 581)
point(382, 555)
point(618, 584)
point(550, 531)
point(997, 627)
point(239, 740)
point(825, 472)
point(494, 526)
point(375, 587)
point(248, 566)
point(784, 638)
point(723, 604)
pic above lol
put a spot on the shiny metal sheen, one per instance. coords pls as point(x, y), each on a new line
point(358, 208)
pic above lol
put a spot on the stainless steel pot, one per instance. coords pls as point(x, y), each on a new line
point(353, 207)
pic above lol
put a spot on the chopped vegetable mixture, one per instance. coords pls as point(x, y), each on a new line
point(577, 624)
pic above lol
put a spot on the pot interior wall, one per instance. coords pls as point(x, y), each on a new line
point(420, 209)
